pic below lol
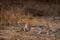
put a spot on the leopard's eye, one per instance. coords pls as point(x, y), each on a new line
point(21, 20)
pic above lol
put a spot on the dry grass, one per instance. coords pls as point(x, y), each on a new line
point(38, 14)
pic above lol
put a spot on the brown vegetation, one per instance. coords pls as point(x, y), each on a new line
point(29, 20)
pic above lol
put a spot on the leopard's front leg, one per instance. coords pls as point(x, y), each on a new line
point(26, 28)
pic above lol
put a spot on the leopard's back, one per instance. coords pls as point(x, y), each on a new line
point(33, 21)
